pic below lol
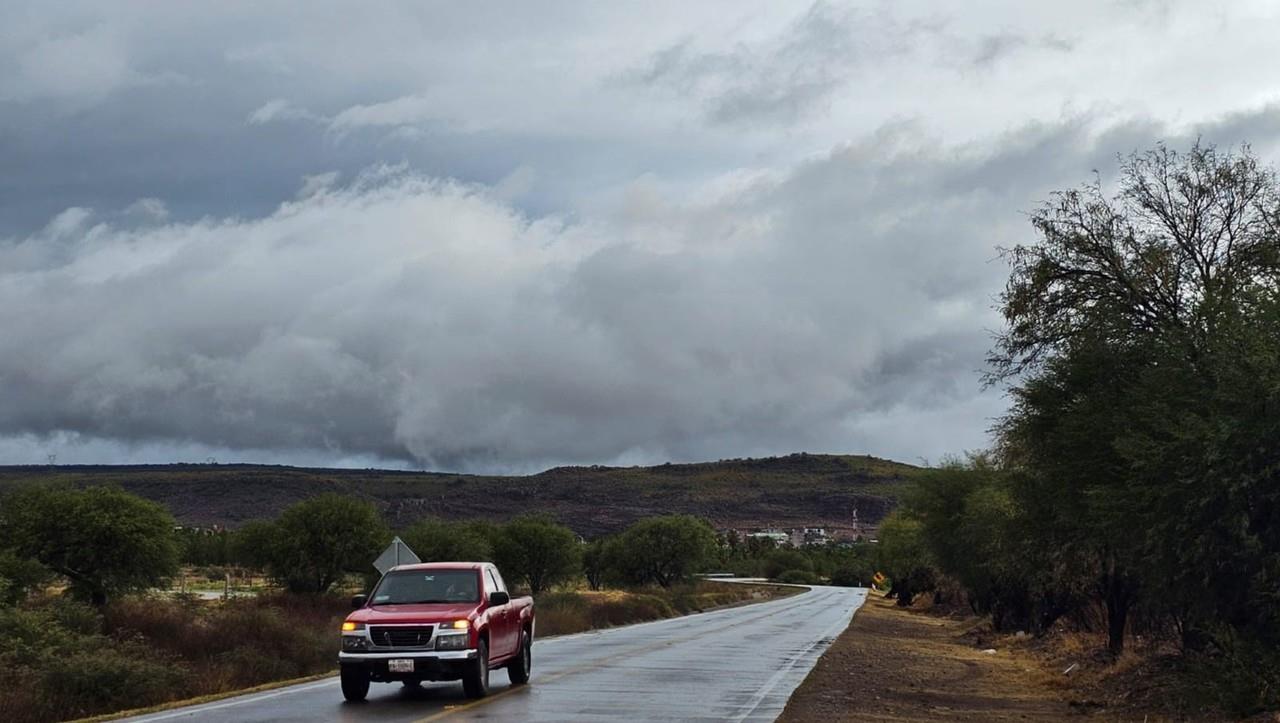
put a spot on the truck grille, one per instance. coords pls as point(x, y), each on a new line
point(400, 636)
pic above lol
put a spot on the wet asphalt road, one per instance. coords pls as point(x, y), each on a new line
point(739, 664)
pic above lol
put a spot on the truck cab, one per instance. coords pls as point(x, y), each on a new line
point(436, 621)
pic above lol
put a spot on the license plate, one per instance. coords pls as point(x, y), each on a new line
point(402, 665)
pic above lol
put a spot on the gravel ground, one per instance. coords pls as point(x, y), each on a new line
point(892, 664)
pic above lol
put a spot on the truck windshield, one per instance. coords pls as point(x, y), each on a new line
point(409, 587)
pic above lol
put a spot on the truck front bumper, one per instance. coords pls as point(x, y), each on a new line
point(427, 665)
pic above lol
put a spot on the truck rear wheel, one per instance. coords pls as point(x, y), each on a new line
point(475, 682)
point(518, 669)
point(355, 683)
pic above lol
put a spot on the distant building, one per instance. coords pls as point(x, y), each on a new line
point(778, 536)
point(801, 536)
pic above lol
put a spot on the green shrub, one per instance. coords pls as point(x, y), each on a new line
point(852, 576)
point(535, 553)
point(108, 678)
point(780, 561)
point(798, 577)
point(249, 664)
point(19, 576)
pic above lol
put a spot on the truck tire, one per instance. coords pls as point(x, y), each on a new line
point(475, 682)
point(518, 669)
point(355, 683)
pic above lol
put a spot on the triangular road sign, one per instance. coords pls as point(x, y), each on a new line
point(397, 553)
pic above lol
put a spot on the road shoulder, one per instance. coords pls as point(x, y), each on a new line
point(892, 664)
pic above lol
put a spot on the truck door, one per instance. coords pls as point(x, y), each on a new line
point(502, 622)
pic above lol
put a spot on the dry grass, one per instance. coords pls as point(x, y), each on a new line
point(563, 613)
point(62, 660)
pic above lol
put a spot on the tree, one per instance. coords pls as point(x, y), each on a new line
point(663, 550)
point(19, 576)
point(905, 558)
point(253, 544)
point(441, 541)
point(1127, 326)
point(780, 561)
point(1183, 242)
point(103, 540)
point(537, 552)
point(595, 563)
point(993, 533)
point(316, 541)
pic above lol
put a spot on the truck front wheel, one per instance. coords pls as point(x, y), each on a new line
point(475, 682)
point(355, 683)
point(518, 669)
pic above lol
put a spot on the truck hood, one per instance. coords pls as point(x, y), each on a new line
point(433, 613)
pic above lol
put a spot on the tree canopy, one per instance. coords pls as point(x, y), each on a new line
point(663, 550)
point(316, 541)
point(442, 541)
point(103, 540)
point(537, 552)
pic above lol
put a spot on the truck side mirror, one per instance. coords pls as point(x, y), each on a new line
point(499, 598)
point(358, 601)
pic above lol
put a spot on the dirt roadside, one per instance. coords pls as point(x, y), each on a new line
point(892, 664)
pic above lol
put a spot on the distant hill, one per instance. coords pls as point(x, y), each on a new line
point(796, 490)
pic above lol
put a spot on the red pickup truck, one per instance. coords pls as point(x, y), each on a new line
point(436, 621)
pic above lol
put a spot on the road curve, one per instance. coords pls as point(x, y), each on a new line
point(737, 664)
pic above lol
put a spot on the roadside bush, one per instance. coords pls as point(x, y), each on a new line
point(905, 558)
point(662, 550)
point(699, 596)
point(55, 664)
point(775, 563)
point(749, 567)
point(292, 635)
point(1243, 677)
point(107, 678)
point(535, 553)
point(248, 665)
point(634, 608)
point(798, 577)
point(561, 613)
point(852, 576)
point(18, 576)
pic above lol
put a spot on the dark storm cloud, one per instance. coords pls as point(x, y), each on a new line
point(503, 237)
point(399, 317)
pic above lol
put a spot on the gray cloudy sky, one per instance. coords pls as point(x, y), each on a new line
point(506, 236)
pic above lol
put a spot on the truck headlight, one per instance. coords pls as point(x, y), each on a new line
point(350, 626)
point(354, 642)
point(451, 642)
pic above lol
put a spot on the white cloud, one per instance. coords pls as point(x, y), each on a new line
point(149, 209)
point(81, 66)
point(278, 110)
point(405, 111)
